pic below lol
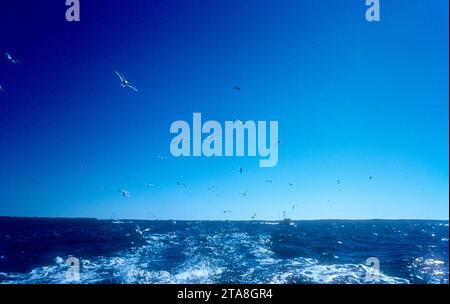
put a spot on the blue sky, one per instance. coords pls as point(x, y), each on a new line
point(353, 99)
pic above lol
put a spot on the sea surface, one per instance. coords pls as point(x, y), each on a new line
point(147, 252)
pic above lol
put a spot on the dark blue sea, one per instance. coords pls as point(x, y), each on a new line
point(142, 252)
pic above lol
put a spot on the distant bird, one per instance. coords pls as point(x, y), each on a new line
point(82, 168)
point(11, 58)
point(338, 181)
point(1, 89)
point(244, 193)
point(292, 208)
point(240, 169)
point(211, 188)
point(31, 178)
point(138, 229)
point(125, 83)
point(268, 181)
point(370, 177)
point(150, 185)
point(278, 142)
point(253, 216)
point(125, 193)
point(226, 211)
point(290, 184)
point(237, 88)
point(181, 184)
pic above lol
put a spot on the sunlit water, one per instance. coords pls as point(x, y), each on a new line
point(35, 251)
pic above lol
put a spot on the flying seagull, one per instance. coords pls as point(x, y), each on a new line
point(125, 193)
point(244, 193)
point(181, 184)
point(226, 211)
point(11, 58)
point(125, 82)
point(210, 188)
point(253, 216)
point(150, 185)
point(240, 169)
point(268, 181)
point(31, 178)
point(338, 181)
point(370, 177)
point(290, 184)
point(237, 88)
point(292, 208)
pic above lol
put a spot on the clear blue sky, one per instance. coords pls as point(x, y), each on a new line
point(353, 99)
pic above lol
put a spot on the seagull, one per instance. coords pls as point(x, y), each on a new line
point(237, 88)
point(268, 181)
point(244, 193)
point(292, 208)
point(138, 229)
point(125, 193)
point(150, 185)
point(211, 188)
point(181, 184)
point(338, 181)
point(290, 184)
point(226, 211)
point(370, 177)
point(31, 178)
point(11, 58)
point(125, 82)
point(253, 216)
point(240, 169)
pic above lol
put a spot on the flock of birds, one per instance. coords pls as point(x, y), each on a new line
point(125, 193)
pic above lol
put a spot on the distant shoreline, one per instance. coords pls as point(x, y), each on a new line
point(205, 220)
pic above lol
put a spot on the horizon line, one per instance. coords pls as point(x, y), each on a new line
point(223, 220)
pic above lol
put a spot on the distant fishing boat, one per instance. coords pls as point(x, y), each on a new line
point(285, 220)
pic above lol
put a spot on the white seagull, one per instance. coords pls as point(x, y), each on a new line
point(126, 83)
point(125, 193)
point(11, 58)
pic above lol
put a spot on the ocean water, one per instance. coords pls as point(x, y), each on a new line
point(146, 252)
